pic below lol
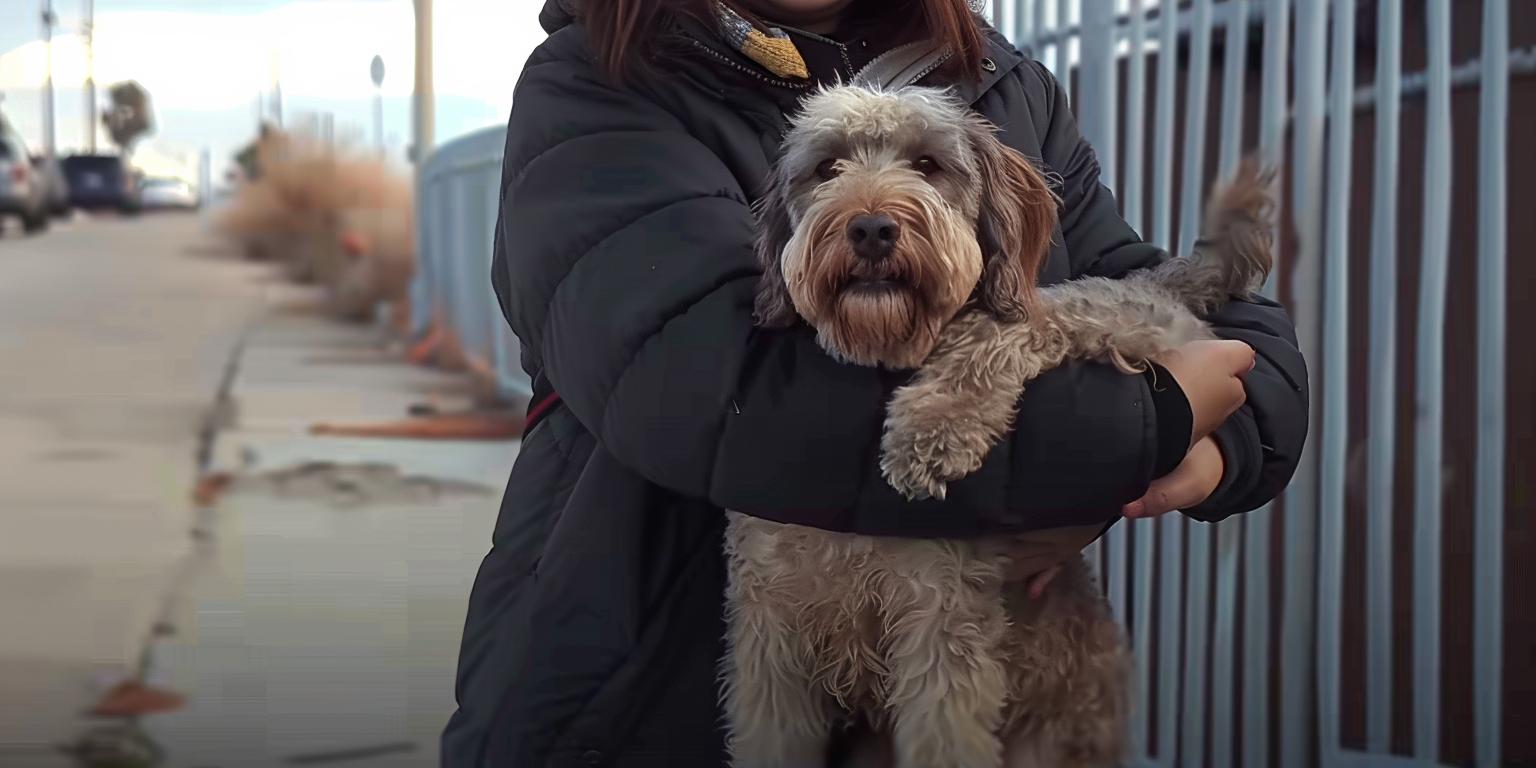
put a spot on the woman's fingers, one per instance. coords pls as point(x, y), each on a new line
point(1041, 580)
point(1209, 372)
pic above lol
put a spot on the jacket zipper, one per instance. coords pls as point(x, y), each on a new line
point(928, 70)
point(746, 70)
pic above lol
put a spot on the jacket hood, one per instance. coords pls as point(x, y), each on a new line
point(557, 14)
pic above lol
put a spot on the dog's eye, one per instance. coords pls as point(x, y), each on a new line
point(827, 169)
point(925, 165)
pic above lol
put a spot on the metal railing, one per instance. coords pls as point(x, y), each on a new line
point(1195, 597)
point(457, 198)
point(1188, 641)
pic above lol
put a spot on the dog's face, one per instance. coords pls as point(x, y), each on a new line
point(887, 213)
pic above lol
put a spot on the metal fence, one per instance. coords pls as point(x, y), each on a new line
point(1238, 627)
point(1198, 642)
point(457, 199)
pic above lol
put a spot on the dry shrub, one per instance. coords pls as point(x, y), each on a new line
point(334, 216)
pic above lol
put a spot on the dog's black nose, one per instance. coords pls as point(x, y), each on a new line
point(873, 235)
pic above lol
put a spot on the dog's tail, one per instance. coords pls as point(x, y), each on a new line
point(1235, 252)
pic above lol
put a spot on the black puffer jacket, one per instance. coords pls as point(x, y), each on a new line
point(624, 264)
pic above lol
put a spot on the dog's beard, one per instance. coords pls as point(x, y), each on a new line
point(889, 312)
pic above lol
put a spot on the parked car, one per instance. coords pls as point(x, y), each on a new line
point(98, 182)
point(55, 186)
point(167, 194)
point(23, 192)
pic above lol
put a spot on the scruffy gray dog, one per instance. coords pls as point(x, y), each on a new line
point(908, 236)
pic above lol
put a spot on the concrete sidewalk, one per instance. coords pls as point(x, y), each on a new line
point(323, 618)
point(114, 335)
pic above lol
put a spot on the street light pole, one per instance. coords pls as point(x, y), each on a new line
point(48, 133)
point(88, 28)
point(423, 118)
point(376, 71)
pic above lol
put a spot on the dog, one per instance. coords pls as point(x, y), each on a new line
point(902, 230)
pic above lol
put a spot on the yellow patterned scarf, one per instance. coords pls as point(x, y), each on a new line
point(771, 48)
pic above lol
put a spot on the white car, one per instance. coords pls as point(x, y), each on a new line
point(165, 194)
point(23, 191)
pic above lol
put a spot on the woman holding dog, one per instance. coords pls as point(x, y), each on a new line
point(641, 134)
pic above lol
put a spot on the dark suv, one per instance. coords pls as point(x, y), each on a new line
point(101, 181)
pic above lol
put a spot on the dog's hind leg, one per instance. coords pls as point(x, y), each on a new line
point(946, 686)
point(777, 715)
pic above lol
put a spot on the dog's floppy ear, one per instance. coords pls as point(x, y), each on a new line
point(1014, 225)
point(772, 306)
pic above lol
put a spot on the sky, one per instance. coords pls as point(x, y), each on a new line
point(207, 62)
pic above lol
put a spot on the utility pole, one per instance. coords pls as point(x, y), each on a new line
point(423, 118)
point(88, 28)
point(48, 133)
point(277, 91)
point(376, 70)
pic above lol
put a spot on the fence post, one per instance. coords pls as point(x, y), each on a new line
point(1298, 615)
point(1228, 532)
point(1170, 530)
point(1383, 380)
point(1487, 628)
point(1429, 374)
point(1197, 560)
point(1335, 374)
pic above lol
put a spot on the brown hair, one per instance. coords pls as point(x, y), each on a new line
point(624, 32)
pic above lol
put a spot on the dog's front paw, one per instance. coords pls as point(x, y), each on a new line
point(919, 460)
point(913, 478)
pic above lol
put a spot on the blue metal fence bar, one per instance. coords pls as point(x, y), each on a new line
point(1064, 41)
point(422, 280)
point(1170, 605)
point(1161, 228)
point(1297, 613)
point(1096, 115)
point(1038, 30)
point(1258, 528)
point(1382, 446)
point(1023, 28)
point(453, 246)
point(1170, 527)
point(1234, 69)
point(1228, 533)
point(1133, 179)
point(512, 382)
point(1335, 437)
point(1140, 531)
point(475, 289)
point(1096, 101)
point(1197, 562)
point(1429, 375)
point(1488, 525)
point(1141, 636)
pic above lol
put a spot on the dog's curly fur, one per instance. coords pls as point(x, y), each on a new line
point(927, 640)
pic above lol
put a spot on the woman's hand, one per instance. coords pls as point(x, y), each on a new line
point(1210, 373)
point(1189, 484)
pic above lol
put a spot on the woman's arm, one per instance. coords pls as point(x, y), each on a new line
point(625, 265)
